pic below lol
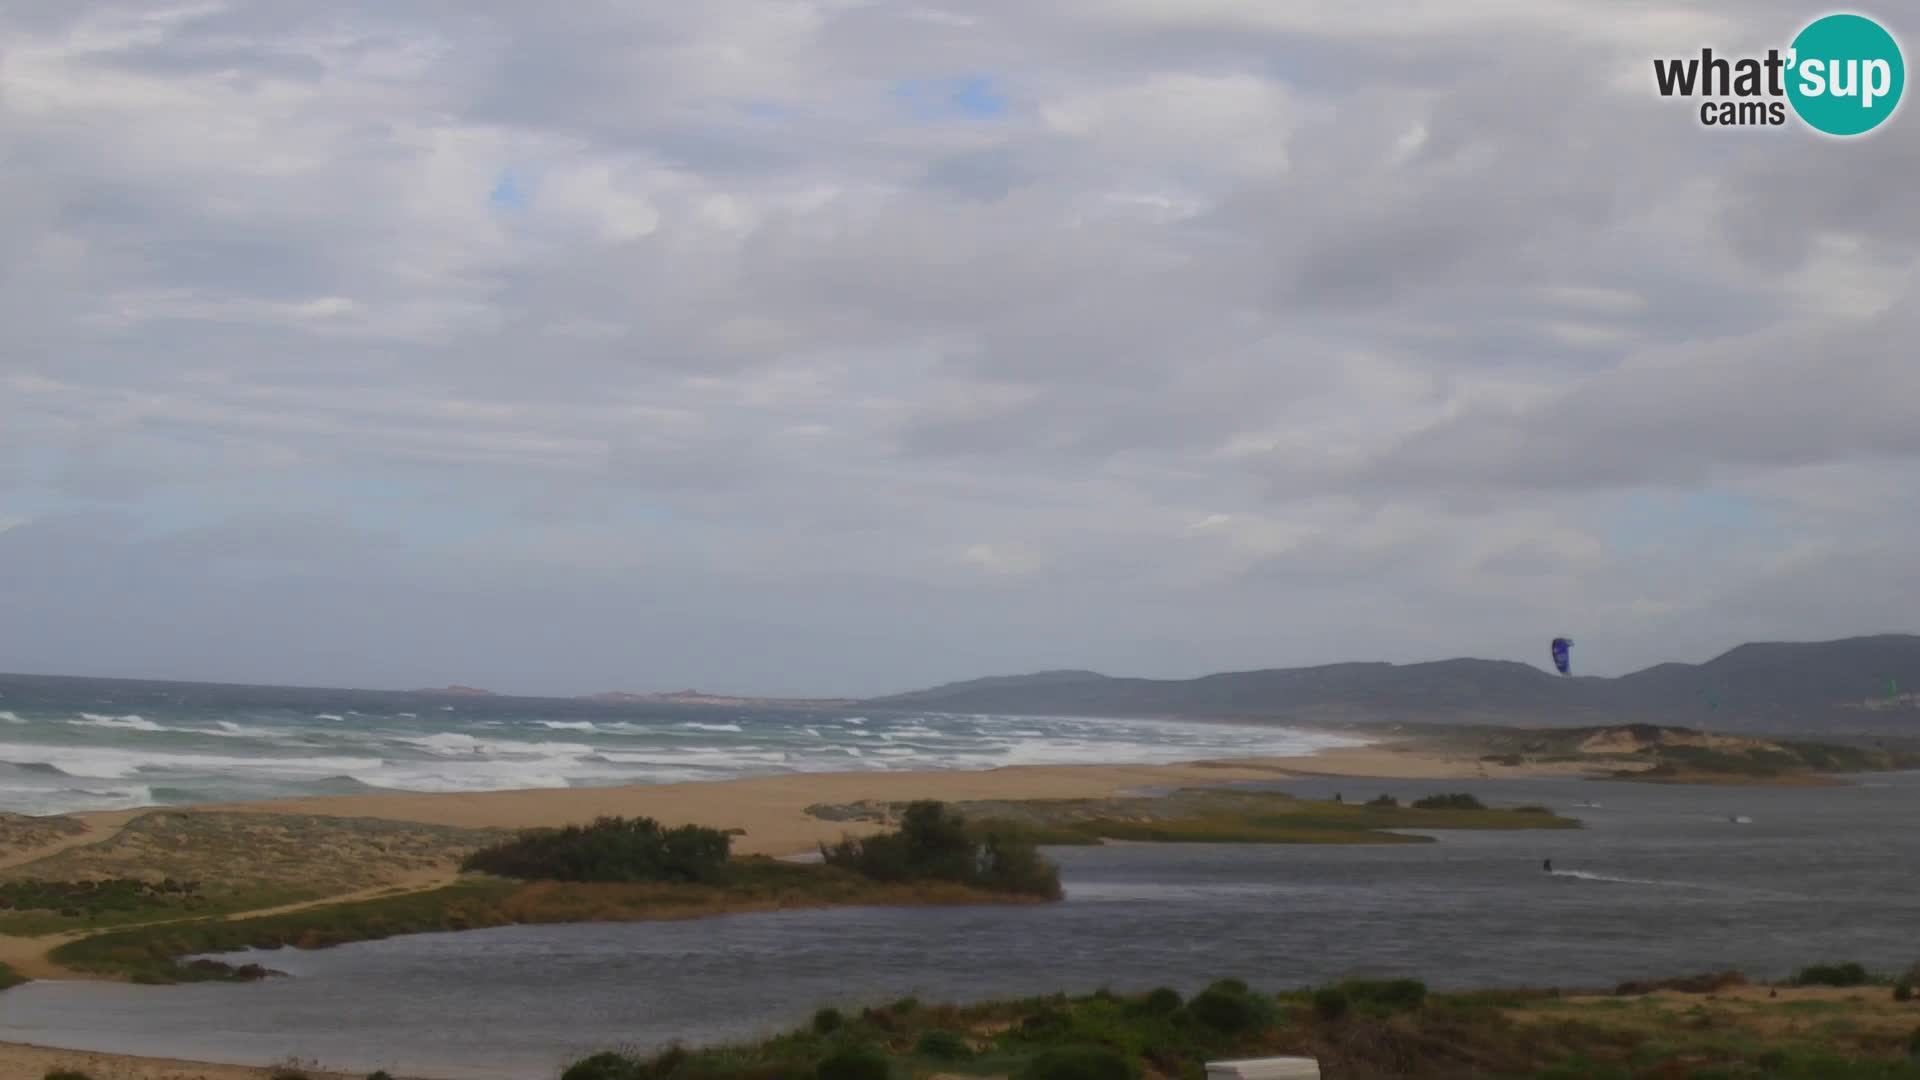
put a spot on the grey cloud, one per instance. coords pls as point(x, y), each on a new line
point(775, 385)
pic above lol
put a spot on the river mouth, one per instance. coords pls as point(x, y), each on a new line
point(1659, 883)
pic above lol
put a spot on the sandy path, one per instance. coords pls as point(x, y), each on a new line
point(101, 826)
point(19, 1061)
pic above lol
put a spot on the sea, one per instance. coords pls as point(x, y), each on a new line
point(93, 744)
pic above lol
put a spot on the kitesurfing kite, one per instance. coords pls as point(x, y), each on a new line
point(1561, 649)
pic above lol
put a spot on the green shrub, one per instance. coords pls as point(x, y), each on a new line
point(610, 849)
point(66, 1074)
point(853, 1063)
point(1913, 1044)
point(1848, 974)
point(1903, 991)
point(380, 1074)
point(904, 1006)
point(1225, 1011)
point(1449, 802)
point(1330, 1003)
point(1386, 995)
point(943, 1046)
point(1772, 1061)
point(1384, 800)
point(1163, 1001)
point(934, 843)
point(828, 1021)
point(1079, 1063)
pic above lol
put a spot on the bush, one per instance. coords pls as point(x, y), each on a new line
point(933, 843)
point(943, 1046)
point(1330, 1003)
point(828, 1021)
point(853, 1063)
point(1384, 800)
point(66, 1074)
point(380, 1074)
point(1449, 802)
point(610, 849)
point(1913, 1044)
point(1848, 974)
point(605, 1065)
point(1225, 1011)
point(1903, 991)
point(1163, 1001)
point(1386, 995)
point(1079, 1063)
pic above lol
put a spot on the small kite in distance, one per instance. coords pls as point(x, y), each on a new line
point(1562, 648)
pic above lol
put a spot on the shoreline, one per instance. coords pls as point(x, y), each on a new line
point(773, 810)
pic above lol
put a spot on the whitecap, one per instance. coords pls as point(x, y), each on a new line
point(125, 723)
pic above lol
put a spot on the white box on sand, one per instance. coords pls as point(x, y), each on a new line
point(1273, 1068)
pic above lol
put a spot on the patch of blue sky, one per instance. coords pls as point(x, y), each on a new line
point(961, 97)
point(511, 191)
point(1668, 521)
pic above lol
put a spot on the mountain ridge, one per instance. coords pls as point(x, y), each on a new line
point(1842, 684)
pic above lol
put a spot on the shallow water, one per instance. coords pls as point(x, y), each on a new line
point(1659, 883)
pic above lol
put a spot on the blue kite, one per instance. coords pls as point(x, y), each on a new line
point(1562, 650)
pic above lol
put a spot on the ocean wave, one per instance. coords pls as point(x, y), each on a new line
point(9, 718)
point(329, 716)
point(570, 725)
point(105, 763)
point(695, 725)
point(125, 723)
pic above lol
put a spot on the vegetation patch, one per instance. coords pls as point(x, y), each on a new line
point(936, 843)
point(1387, 1029)
point(1215, 815)
point(606, 868)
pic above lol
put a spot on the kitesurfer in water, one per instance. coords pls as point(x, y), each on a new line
point(1547, 865)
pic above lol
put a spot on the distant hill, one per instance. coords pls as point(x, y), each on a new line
point(1769, 687)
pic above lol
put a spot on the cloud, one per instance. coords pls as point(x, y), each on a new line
point(824, 347)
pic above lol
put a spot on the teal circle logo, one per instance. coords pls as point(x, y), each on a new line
point(1847, 75)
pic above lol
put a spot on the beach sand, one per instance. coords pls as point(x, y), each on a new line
point(773, 809)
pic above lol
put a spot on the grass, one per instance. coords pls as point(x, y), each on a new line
point(154, 954)
point(10, 978)
point(1259, 817)
point(234, 861)
point(1381, 1029)
point(45, 921)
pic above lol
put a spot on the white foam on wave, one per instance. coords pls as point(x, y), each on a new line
point(125, 723)
point(227, 729)
point(335, 717)
point(9, 718)
point(105, 763)
point(695, 725)
point(461, 744)
point(570, 725)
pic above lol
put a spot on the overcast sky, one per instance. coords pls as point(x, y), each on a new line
point(838, 346)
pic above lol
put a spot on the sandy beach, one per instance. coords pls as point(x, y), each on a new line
point(773, 809)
